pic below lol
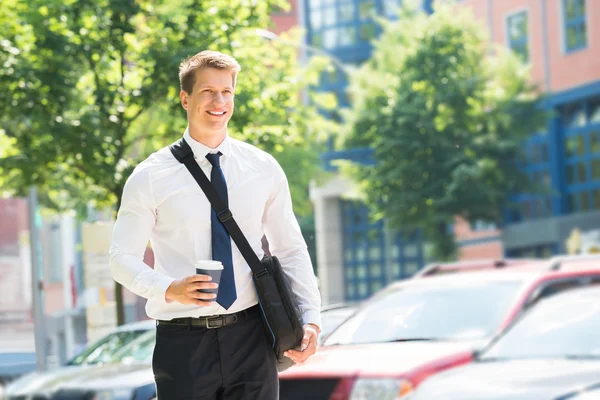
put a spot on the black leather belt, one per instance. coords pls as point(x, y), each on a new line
point(213, 321)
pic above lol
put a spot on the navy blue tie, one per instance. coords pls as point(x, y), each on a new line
point(221, 242)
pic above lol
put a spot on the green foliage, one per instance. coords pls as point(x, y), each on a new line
point(88, 88)
point(445, 116)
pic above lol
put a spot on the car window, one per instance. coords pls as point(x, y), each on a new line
point(331, 319)
point(554, 328)
point(470, 310)
point(140, 349)
point(552, 288)
point(102, 350)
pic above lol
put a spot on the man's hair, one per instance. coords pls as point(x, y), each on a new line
point(205, 59)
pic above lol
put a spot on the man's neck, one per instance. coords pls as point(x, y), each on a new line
point(209, 139)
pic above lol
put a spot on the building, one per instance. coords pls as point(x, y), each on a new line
point(284, 20)
point(557, 38)
point(69, 297)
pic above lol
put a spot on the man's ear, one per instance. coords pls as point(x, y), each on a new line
point(183, 96)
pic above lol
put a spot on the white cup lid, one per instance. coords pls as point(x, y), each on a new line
point(208, 264)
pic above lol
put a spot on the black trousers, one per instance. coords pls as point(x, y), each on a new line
point(229, 363)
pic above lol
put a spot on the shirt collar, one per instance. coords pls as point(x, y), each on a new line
point(200, 150)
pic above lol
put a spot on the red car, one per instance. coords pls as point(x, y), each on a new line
point(418, 327)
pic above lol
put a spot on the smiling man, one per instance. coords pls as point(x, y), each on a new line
point(211, 346)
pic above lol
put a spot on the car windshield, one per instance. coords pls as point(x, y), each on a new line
point(139, 350)
point(471, 310)
point(102, 350)
point(558, 327)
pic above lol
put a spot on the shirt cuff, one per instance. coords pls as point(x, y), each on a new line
point(162, 284)
point(312, 317)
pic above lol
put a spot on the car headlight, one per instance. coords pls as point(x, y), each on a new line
point(116, 394)
point(380, 389)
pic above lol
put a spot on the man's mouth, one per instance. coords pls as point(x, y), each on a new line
point(217, 113)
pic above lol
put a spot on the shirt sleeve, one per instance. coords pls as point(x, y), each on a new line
point(135, 221)
point(287, 243)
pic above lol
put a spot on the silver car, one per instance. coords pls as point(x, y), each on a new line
point(552, 353)
point(130, 378)
point(100, 352)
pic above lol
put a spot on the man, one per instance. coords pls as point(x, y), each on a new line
point(211, 346)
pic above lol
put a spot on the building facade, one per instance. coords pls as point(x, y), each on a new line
point(559, 38)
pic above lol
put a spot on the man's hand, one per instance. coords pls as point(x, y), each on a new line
point(308, 346)
point(185, 291)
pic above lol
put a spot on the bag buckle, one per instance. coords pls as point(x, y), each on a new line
point(262, 273)
point(224, 215)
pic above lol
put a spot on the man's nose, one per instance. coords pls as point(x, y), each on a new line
point(218, 98)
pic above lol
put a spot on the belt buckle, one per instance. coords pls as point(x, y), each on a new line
point(216, 318)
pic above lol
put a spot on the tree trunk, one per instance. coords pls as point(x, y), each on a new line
point(444, 242)
point(119, 305)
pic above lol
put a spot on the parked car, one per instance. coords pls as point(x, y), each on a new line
point(418, 327)
point(332, 316)
point(552, 353)
point(130, 378)
point(14, 363)
point(99, 352)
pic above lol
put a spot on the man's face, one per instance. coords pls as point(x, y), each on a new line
point(210, 105)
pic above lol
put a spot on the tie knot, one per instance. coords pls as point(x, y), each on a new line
point(213, 158)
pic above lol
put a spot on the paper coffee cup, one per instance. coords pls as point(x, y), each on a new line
point(211, 268)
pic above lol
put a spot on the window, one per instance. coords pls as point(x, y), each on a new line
point(429, 311)
point(366, 9)
point(391, 8)
point(517, 34)
point(558, 327)
point(595, 141)
point(346, 36)
point(535, 162)
point(581, 140)
point(554, 287)
point(481, 225)
point(574, 24)
point(346, 12)
point(539, 251)
point(573, 115)
point(595, 111)
point(368, 31)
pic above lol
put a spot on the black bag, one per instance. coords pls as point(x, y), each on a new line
point(281, 314)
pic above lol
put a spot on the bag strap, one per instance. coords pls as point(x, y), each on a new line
point(183, 153)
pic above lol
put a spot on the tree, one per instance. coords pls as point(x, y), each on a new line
point(445, 117)
point(88, 88)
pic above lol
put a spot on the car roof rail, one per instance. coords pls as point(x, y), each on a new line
point(556, 262)
point(430, 269)
point(427, 270)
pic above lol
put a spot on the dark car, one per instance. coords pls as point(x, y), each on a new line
point(552, 353)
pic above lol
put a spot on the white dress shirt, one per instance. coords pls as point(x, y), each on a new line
point(163, 203)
